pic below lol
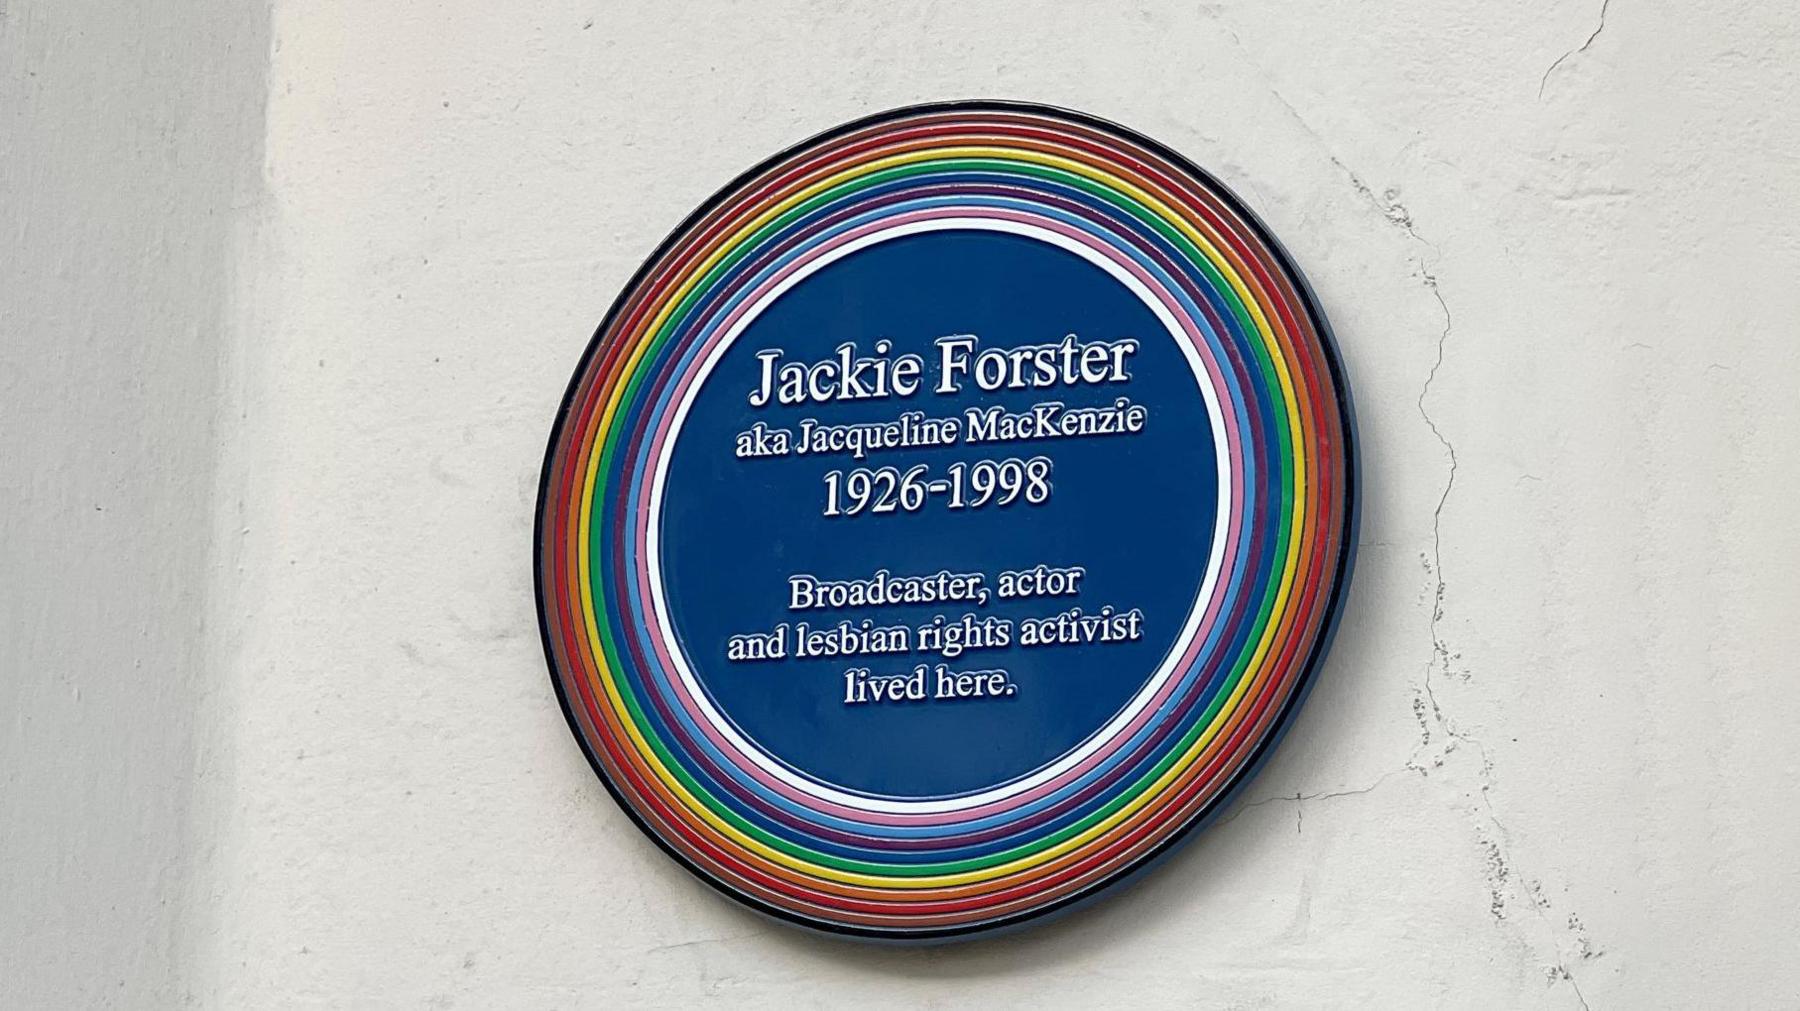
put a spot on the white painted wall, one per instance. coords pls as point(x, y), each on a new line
point(1550, 763)
point(130, 137)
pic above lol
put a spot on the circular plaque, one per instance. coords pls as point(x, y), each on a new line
point(946, 520)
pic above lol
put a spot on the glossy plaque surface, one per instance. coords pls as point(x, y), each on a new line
point(946, 520)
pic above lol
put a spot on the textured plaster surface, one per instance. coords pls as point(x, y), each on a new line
point(130, 139)
point(1551, 759)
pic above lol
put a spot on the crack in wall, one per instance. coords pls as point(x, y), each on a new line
point(1299, 799)
point(1440, 650)
point(1544, 81)
point(1499, 864)
point(1388, 204)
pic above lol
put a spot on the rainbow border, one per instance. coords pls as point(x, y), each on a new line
point(948, 867)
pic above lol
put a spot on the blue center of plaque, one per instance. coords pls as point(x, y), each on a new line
point(1135, 511)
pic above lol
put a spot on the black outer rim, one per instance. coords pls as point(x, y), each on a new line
point(1264, 748)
